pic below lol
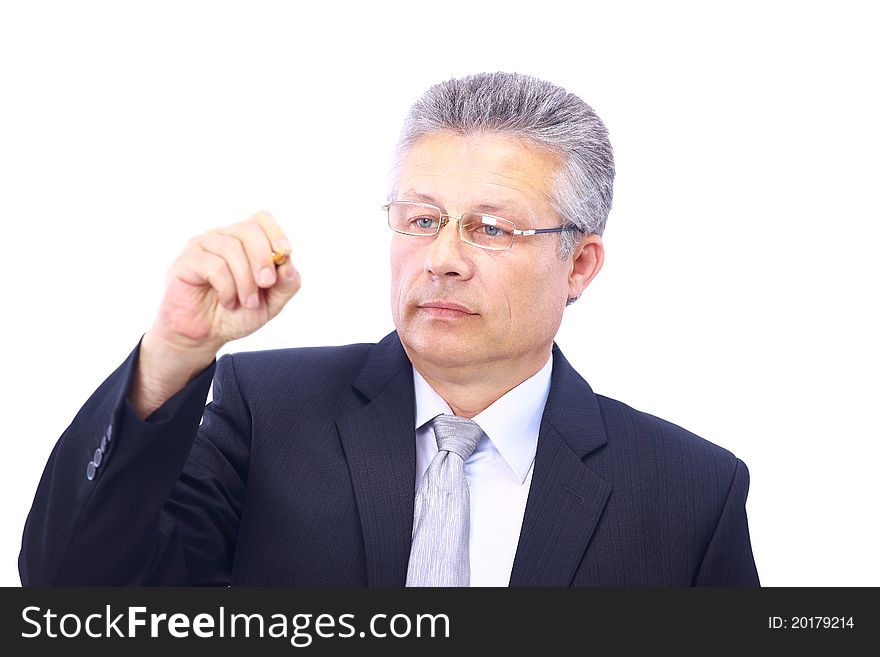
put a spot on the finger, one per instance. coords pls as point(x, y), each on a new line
point(277, 237)
point(280, 244)
point(258, 248)
point(231, 249)
point(201, 267)
point(289, 283)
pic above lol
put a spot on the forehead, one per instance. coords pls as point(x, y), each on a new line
point(467, 171)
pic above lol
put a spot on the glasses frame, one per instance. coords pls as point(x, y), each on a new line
point(444, 219)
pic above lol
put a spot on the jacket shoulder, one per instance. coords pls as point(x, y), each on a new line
point(270, 374)
point(351, 355)
point(634, 430)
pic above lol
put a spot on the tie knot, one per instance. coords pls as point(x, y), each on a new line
point(458, 435)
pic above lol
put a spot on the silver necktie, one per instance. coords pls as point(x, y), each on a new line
point(441, 523)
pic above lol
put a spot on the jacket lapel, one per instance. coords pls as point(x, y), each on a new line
point(566, 498)
point(379, 443)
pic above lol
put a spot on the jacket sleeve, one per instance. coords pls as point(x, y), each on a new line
point(728, 560)
point(124, 501)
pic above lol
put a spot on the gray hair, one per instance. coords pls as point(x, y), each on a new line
point(528, 108)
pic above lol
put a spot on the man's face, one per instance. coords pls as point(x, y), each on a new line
point(457, 305)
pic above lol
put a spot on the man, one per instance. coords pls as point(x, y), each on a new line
point(462, 449)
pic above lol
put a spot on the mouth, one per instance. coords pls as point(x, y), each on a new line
point(446, 309)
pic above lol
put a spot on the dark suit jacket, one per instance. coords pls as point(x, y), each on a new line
point(302, 472)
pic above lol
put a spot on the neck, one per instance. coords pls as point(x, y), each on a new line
point(471, 389)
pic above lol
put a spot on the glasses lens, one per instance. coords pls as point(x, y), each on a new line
point(487, 231)
point(413, 218)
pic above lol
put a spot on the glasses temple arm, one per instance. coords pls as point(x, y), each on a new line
point(538, 231)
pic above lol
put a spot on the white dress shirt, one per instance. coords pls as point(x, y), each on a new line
point(499, 472)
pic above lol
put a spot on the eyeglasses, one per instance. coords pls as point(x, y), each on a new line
point(483, 230)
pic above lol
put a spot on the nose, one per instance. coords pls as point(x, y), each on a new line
point(447, 255)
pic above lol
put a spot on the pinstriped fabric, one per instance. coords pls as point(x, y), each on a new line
point(439, 552)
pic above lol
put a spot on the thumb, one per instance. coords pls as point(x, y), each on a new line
point(287, 284)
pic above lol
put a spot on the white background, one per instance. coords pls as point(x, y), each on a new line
point(740, 289)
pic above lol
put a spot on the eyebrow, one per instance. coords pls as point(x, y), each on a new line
point(501, 210)
point(487, 208)
point(413, 195)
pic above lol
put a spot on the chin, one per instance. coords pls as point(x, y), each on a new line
point(438, 347)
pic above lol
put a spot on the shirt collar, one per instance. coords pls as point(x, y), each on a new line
point(512, 422)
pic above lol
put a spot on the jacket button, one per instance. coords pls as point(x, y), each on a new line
point(90, 471)
point(96, 459)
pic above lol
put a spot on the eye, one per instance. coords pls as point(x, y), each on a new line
point(486, 231)
point(424, 222)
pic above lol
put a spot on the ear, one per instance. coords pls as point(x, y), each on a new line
point(586, 262)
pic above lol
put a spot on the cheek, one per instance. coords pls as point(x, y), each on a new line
point(399, 285)
point(395, 283)
point(540, 302)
